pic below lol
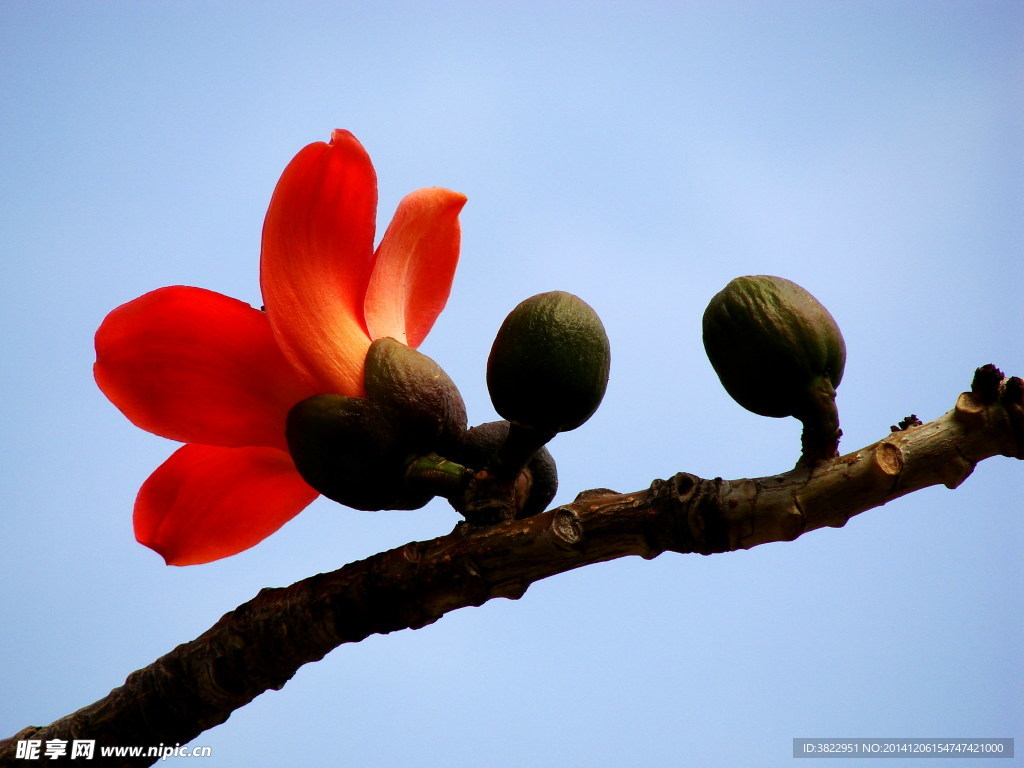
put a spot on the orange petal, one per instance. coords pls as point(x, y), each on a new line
point(316, 259)
point(196, 366)
point(414, 266)
point(208, 502)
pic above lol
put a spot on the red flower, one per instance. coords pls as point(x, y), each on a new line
point(210, 371)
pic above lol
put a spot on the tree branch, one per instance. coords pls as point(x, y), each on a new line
point(262, 643)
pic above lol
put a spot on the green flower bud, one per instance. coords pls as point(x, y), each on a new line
point(548, 366)
point(778, 352)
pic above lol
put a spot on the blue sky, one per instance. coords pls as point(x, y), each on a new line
point(638, 154)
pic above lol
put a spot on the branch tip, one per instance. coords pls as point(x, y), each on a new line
point(1012, 399)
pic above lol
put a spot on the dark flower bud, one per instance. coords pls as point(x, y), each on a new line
point(350, 451)
point(416, 392)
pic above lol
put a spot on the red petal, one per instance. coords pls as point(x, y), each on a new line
point(208, 502)
point(197, 366)
point(415, 265)
point(315, 264)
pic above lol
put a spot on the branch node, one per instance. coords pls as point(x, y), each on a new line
point(480, 589)
point(956, 471)
point(594, 493)
point(672, 504)
point(707, 524)
point(970, 410)
point(566, 528)
point(793, 524)
point(510, 590)
point(683, 485)
point(888, 459)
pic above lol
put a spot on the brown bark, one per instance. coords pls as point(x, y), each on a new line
point(262, 643)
